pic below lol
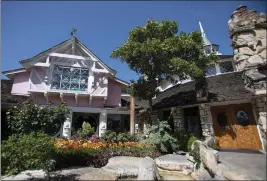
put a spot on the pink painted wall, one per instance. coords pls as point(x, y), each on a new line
point(21, 83)
point(114, 93)
point(97, 102)
point(83, 101)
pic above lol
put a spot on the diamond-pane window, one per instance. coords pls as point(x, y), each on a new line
point(210, 70)
point(226, 67)
point(69, 78)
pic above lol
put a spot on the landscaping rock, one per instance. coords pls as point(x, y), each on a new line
point(187, 172)
point(216, 154)
point(148, 170)
point(28, 175)
point(235, 176)
point(209, 141)
point(123, 166)
point(174, 162)
point(86, 173)
point(190, 158)
point(179, 153)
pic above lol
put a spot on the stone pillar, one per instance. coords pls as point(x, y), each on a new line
point(178, 118)
point(247, 30)
point(260, 107)
point(206, 120)
point(102, 122)
point(66, 130)
point(154, 118)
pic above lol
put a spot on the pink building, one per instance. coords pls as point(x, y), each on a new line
point(69, 72)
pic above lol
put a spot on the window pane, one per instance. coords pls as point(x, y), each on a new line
point(242, 118)
point(69, 78)
point(222, 119)
point(226, 67)
point(210, 70)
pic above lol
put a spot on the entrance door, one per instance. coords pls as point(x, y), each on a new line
point(235, 127)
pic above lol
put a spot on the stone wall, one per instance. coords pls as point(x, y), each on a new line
point(206, 120)
point(178, 118)
point(247, 30)
point(260, 106)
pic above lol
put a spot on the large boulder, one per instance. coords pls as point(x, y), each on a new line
point(235, 176)
point(208, 157)
point(174, 162)
point(123, 166)
point(148, 170)
point(210, 141)
point(28, 175)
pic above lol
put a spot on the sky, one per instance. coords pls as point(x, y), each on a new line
point(31, 27)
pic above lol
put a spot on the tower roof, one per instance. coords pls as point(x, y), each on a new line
point(205, 39)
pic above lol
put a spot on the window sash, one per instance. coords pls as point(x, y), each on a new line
point(69, 78)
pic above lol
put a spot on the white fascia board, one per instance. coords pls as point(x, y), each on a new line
point(100, 70)
point(39, 64)
point(14, 72)
point(70, 56)
point(89, 53)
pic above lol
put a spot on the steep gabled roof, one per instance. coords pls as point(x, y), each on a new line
point(65, 43)
point(46, 51)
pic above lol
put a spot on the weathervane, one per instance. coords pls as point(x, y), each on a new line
point(73, 32)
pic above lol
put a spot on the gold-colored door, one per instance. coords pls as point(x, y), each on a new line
point(223, 127)
point(245, 127)
point(235, 127)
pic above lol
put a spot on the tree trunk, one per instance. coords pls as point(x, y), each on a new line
point(132, 114)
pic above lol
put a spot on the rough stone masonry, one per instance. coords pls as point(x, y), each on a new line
point(247, 30)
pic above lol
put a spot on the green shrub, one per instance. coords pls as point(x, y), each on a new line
point(195, 153)
point(190, 142)
point(109, 136)
point(182, 139)
point(113, 137)
point(29, 117)
point(86, 130)
point(160, 136)
point(23, 152)
point(126, 137)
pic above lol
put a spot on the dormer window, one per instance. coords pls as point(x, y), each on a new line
point(226, 67)
point(210, 70)
point(70, 78)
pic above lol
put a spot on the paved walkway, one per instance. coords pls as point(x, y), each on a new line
point(251, 163)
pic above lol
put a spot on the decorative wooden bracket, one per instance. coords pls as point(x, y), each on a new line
point(104, 100)
point(76, 99)
point(61, 97)
point(90, 100)
point(46, 97)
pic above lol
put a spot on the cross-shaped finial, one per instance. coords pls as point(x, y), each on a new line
point(73, 32)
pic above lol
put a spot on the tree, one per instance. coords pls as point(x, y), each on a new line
point(157, 52)
point(29, 117)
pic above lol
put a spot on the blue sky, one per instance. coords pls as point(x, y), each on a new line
point(31, 27)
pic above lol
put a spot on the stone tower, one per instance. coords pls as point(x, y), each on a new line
point(247, 30)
